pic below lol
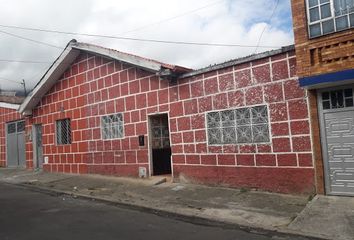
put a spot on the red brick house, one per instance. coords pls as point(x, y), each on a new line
point(243, 123)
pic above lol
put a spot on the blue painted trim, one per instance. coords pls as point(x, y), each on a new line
point(327, 78)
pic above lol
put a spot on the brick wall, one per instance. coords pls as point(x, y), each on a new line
point(93, 87)
point(6, 115)
point(284, 165)
point(329, 53)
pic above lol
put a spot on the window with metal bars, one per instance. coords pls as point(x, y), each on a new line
point(342, 98)
point(112, 126)
point(63, 130)
point(328, 16)
point(238, 126)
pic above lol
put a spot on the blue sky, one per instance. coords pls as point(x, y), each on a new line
point(223, 21)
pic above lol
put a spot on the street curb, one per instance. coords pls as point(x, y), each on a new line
point(199, 220)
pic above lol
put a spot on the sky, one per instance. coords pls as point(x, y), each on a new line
point(236, 22)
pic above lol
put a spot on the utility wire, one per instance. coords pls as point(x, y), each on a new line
point(9, 80)
point(127, 38)
point(23, 61)
point(265, 27)
point(29, 39)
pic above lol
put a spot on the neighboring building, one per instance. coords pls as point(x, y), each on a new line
point(12, 140)
point(324, 41)
point(243, 123)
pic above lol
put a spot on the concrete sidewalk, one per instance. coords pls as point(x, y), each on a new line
point(249, 209)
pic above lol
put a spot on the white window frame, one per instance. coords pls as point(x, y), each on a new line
point(110, 128)
point(325, 19)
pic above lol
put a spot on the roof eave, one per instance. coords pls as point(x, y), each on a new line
point(112, 54)
point(48, 80)
point(9, 105)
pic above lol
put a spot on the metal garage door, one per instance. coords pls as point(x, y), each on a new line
point(15, 144)
point(337, 129)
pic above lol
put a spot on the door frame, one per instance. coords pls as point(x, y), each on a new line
point(151, 161)
point(321, 112)
point(34, 146)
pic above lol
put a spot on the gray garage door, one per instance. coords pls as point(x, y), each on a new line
point(15, 144)
point(338, 140)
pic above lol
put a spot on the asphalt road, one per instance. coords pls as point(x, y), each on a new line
point(26, 214)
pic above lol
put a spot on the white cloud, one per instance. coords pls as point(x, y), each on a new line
point(228, 21)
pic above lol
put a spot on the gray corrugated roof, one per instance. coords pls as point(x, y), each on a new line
point(238, 61)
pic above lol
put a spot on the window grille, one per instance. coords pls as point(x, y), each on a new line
point(327, 16)
point(16, 127)
point(11, 128)
point(337, 99)
point(238, 126)
point(112, 126)
point(160, 133)
point(21, 126)
point(63, 130)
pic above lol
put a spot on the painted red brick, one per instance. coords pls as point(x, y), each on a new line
point(226, 82)
point(192, 159)
point(273, 92)
point(198, 121)
point(245, 160)
point(301, 144)
point(299, 127)
point(264, 148)
point(200, 136)
point(243, 78)
point(261, 74)
point(205, 104)
point(281, 145)
point(179, 159)
point(163, 96)
point(278, 112)
point(254, 95)
point(208, 159)
point(230, 149)
point(280, 129)
point(247, 148)
point(292, 66)
point(298, 109)
point(236, 98)
point(305, 160)
point(226, 160)
point(176, 138)
point(184, 91)
point(201, 148)
point(197, 89)
point(190, 106)
point(284, 180)
point(137, 93)
point(188, 137)
point(280, 70)
point(292, 90)
point(287, 159)
point(184, 123)
point(130, 103)
point(265, 160)
point(189, 148)
point(220, 101)
point(211, 86)
point(176, 109)
point(152, 98)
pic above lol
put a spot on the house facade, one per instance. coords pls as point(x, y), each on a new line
point(243, 123)
point(324, 42)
